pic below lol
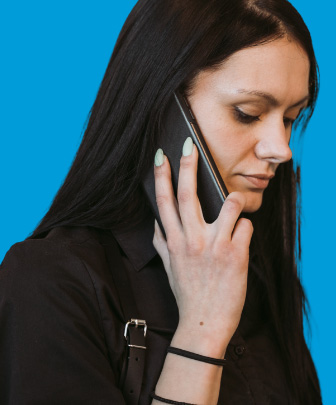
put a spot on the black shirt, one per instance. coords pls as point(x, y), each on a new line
point(61, 323)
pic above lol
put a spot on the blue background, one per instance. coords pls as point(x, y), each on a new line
point(54, 55)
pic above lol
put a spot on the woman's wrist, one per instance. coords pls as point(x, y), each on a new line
point(188, 380)
point(200, 340)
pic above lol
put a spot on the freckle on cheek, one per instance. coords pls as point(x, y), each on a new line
point(201, 323)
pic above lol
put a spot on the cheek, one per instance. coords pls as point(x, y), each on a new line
point(229, 146)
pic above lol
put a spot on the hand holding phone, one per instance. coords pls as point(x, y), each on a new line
point(206, 264)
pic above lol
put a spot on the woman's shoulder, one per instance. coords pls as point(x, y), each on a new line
point(63, 254)
point(58, 313)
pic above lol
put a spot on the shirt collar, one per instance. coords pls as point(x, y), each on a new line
point(137, 243)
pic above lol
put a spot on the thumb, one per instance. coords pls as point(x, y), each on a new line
point(160, 244)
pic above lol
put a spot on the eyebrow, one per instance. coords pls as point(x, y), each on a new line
point(270, 98)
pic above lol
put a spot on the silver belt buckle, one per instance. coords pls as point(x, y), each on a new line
point(136, 323)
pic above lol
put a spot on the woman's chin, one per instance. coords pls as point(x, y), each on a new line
point(254, 197)
point(253, 202)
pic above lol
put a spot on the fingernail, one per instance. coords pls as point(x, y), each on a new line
point(188, 147)
point(159, 157)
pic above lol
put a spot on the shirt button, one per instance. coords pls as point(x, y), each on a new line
point(239, 350)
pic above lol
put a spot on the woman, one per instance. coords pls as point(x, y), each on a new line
point(228, 289)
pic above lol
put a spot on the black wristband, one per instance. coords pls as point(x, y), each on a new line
point(194, 356)
point(168, 401)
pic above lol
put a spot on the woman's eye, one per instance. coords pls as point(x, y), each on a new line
point(245, 118)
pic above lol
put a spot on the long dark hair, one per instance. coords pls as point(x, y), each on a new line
point(162, 47)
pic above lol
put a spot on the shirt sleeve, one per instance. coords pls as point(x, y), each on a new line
point(52, 346)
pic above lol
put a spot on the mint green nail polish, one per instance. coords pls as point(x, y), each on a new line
point(159, 157)
point(188, 147)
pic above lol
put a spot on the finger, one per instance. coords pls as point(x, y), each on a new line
point(229, 214)
point(160, 245)
point(159, 241)
point(242, 233)
point(165, 198)
point(189, 206)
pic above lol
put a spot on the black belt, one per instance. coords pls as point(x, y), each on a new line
point(135, 329)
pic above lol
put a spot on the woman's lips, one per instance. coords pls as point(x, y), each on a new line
point(259, 183)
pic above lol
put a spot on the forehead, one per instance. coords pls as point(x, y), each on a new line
point(280, 67)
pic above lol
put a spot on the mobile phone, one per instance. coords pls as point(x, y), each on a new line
point(179, 122)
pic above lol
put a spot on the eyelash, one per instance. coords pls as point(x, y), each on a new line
point(249, 119)
point(245, 118)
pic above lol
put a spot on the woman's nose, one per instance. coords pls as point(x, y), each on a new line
point(273, 144)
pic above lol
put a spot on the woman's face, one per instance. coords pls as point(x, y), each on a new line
point(245, 110)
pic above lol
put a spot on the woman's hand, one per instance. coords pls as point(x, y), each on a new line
point(206, 264)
